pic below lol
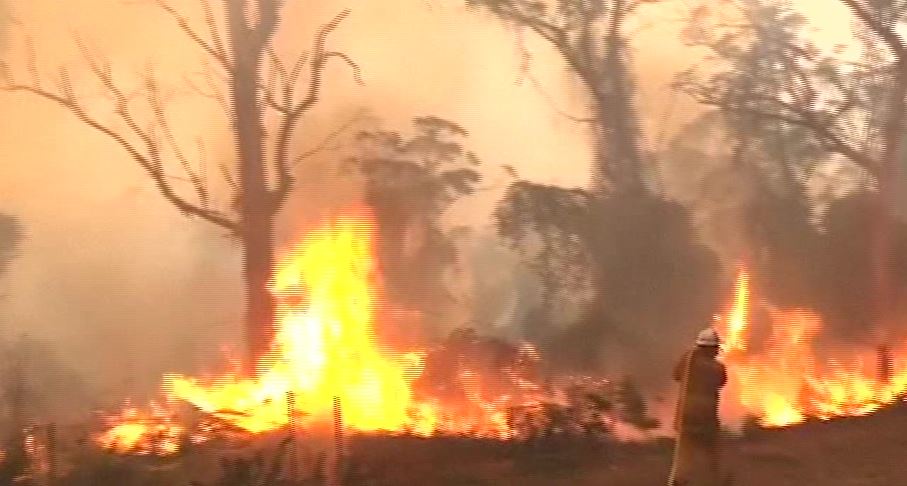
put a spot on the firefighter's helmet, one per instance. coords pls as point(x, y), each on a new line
point(708, 337)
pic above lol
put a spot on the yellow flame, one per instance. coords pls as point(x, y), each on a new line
point(786, 381)
point(327, 293)
point(737, 320)
point(325, 346)
point(136, 432)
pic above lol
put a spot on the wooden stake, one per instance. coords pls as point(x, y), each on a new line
point(51, 454)
point(291, 421)
point(335, 468)
point(885, 364)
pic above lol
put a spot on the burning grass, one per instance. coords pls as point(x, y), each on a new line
point(792, 374)
point(327, 373)
point(326, 351)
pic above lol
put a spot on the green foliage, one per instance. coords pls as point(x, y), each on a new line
point(770, 73)
point(411, 183)
point(785, 106)
point(649, 277)
point(795, 101)
point(550, 225)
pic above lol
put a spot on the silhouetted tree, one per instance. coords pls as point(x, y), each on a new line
point(773, 155)
point(410, 184)
point(549, 224)
point(590, 36)
point(855, 109)
point(618, 240)
point(259, 84)
point(649, 280)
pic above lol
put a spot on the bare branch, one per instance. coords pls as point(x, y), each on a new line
point(804, 118)
point(330, 138)
point(357, 72)
point(277, 63)
point(888, 35)
point(217, 42)
point(538, 87)
point(101, 69)
point(297, 68)
point(557, 36)
point(216, 50)
point(31, 62)
point(293, 111)
point(157, 107)
point(318, 63)
point(231, 181)
point(214, 91)
point(148, 159)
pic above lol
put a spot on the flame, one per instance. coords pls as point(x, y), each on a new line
point(324, 345)
point(327, 292)
point(134, 431)
point(786, 381)
point(737, 319)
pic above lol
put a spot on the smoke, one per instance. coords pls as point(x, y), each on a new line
point(126, 288)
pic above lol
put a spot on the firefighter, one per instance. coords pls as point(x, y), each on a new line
point(701, 376)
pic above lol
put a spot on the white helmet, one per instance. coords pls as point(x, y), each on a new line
point(708, 337)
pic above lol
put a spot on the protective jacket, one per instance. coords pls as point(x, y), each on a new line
point(701, 378)
point(696, 420)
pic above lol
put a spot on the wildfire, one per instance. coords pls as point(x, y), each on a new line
point(327, 293)
point(785, 380)
point(134, 431)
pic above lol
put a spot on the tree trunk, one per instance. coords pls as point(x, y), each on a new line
point(884, 219)
point(258, 262)
point(255, 201)
point(617, 113)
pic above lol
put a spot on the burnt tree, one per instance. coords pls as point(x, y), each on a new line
point(238, 40)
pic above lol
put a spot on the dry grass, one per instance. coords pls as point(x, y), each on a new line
point(868, 451)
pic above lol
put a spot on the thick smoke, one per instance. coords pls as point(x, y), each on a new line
point(119, 282)
point(125, 287)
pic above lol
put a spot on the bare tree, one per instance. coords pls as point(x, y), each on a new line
point(259, 83)
point(590, 36)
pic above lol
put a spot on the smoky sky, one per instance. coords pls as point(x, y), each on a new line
point(126, 287)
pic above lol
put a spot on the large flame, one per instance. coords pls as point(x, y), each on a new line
point(325, 346)
point(325, 351)
point(786, 379)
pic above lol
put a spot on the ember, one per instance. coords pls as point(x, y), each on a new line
point(785, 380)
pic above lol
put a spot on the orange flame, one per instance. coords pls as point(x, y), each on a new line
point(134, 431)
point(785, 381)
point(327, 293)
